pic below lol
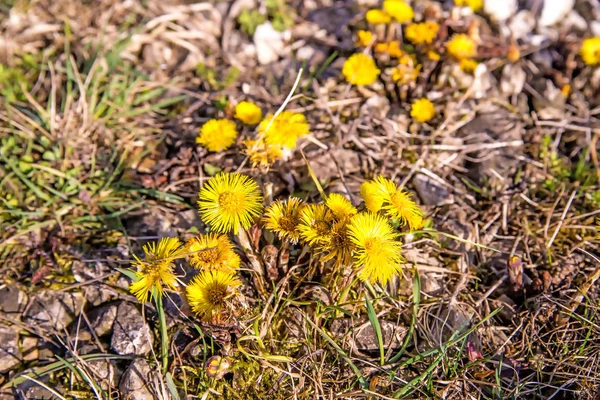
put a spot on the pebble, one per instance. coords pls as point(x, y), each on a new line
point(134, 382)
point(131, 334)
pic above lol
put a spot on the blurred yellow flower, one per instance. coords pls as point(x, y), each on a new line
point(397, 204)
point(392, 48)
point(285, 129)
point(156, 270)
point(217, 135)
point(590, 51)
point(468, 65)
point(260, 153)
point(360, 69)
point(247, 112)
point(283, 218)
point(229, 201)
point(433, 56)
point(376, 16)
point(212, 294)
point(407, 70)
point(399, 10)
point(422, 110)
point(372, 196)
point(474, 5)
point(212, 252)
point(315, 224)
point(461, 46)
point(377, 251)
point(340, 206)
point(421, 33)
point(365, 38)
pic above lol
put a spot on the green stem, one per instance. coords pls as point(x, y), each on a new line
point(164, 335)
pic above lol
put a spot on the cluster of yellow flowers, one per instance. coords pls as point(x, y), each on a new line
point(273, 139)
point(335, 231)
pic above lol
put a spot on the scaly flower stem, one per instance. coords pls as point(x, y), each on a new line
point(164, 335)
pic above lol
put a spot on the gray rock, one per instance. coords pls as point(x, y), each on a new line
point(53, 310)
point(431, 192)
point(134, 383)
point(102, 319)
point(500, 10)
point(98, 294)
point(104, 373)
point(29, 348)
point(131, 334)
point(363, 335)
point(555, 11)
point(32, 390)
point(10, 354)
point(12, 299)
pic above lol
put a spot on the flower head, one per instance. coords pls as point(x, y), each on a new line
point(421, 33)
point(212, 252)
point(407, 70)
point(590, 51)
point(468, 66)
point(260, 153)
point(315, 224)
point(247, 112)
point(229, 201)
point(392, 48)
point(376, 16)
point(283, 217)
point(340, 206)
point(338, 247)
point(399, 10)
point(217, 135)
point(461, 46)
point(397, 203)
point(422, 110)
point(474, 5)
point(285, 130)
point(365, 38)
point(372, 196)
point(360, 69)
point(211, 295)
point(156, 270)
point(377, 252)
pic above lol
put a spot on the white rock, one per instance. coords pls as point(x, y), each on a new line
point(10, 355)
point(500, 10)
point(482, 81)
point(134, 383)
point(574, 20)
point(553, 11)
point(269, 43)
point(305, 53)
point(53, 310)
point(131, 334)
point(513, 79)
point(522, 24)
point(595, 28)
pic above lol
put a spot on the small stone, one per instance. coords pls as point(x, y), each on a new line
point(97, 294)
point(431, 192)
point(500, 10)
point(364, 337)
point(102, 319)
point(131, 334)
point(10, 354)
point(521, 24)
point(12, 299)
point(134, 383)
point(376, 107)
point(53, 310)
point(269, 43)
point(555, 11)
point(29, 349)
point(513, 79)
point(104, 372)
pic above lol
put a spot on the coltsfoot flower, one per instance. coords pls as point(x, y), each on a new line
point(365, 38)
point(260, 153)
point(283, 218)
point(285, 130)
point(229, 201)
point(247, 112)
point(155, 272)
point(399, 10)
point(392, 48)
point(468, 66)
point(212, 294)
point(340, 206)
point(212, 252)
point(376, 16)
point(590, 51)
point(474, 5)
point(377, 251)
point(315, 224)
point(461, 46)
point(422, 33)
point(422, 110)
point(360, 69)
point(217, 135)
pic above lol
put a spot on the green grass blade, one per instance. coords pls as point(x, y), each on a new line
point(376, 327)
point(413, 321)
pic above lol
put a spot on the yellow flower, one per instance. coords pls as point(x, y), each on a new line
point(285, 129)
point(156, 270)
point(397, 204)
point(229, 201)
point(377, 251)
point(461, 46)
point(407, 71)
point(392, 48)
point(360, 69)
point(421, 33)
point(283, 217)
point(260, 153)
point(474, 5)
point(422, 110)
point(247, 112)
point(399, 10)
point(433, 56)
point(365, 38)
point(378, 17)
point(212, 252)
point(315, 224)
point(217, 135)
point(468, 66)
point(340, 206)
point(338, 247)
point(590, 51)
point(211, 295)
point(372, 196)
